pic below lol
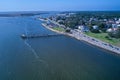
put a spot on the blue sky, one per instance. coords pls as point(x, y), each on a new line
point(59, 5)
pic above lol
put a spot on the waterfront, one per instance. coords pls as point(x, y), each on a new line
point(52, 58)
point(78, 34)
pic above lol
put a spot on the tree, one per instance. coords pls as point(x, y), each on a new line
point(115, 34)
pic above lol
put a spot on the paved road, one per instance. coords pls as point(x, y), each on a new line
point(79, 35)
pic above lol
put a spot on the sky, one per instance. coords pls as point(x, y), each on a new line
point(59, 5)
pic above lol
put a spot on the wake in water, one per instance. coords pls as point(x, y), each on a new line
point(33, 50)
point(26, 42)
point(35, 53)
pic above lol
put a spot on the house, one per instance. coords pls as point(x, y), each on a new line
point(83, 28)
point(114, 28)
point(95, 27)
point(60, 21)
point(109, 30)
point(68, 30)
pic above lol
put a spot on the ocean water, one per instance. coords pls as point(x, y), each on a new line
point(50, 58)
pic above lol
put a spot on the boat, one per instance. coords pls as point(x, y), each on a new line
point(23, 36)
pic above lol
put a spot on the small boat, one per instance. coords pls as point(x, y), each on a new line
point(23, 36)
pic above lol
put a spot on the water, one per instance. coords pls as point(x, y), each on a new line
point(52, 58)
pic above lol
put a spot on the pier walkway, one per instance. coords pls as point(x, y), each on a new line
point(39, 36)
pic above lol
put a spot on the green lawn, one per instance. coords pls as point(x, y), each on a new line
point(59, 29)
point(102, 36)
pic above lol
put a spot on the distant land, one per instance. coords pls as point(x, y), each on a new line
point(24, 13)
point(32, 13)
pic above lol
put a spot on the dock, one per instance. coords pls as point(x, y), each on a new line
point(23, 36)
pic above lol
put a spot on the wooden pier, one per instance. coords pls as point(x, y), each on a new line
point(23, 36)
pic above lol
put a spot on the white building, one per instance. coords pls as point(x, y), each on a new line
point(83, 28)
point(109, 30)
point(95, 27)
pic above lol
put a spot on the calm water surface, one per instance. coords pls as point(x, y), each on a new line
point(50, 58)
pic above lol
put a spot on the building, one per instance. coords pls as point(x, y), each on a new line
point(83, 28)
point(95, 27)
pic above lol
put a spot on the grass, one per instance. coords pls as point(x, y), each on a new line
point(102, 36)
point(59, 29)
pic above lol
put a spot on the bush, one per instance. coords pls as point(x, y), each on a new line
point(95, 31)
point(108, 37)
point(103, 30)
point(115, 34)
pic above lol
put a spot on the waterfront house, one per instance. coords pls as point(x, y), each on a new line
point(83, 28)
point(95, 27)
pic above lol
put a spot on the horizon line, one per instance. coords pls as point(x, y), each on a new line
point(60, 11)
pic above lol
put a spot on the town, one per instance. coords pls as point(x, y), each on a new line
point(101, 29)
point(105, 24)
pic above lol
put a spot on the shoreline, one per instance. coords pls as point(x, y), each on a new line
point(63, 33)
point(89, 40)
